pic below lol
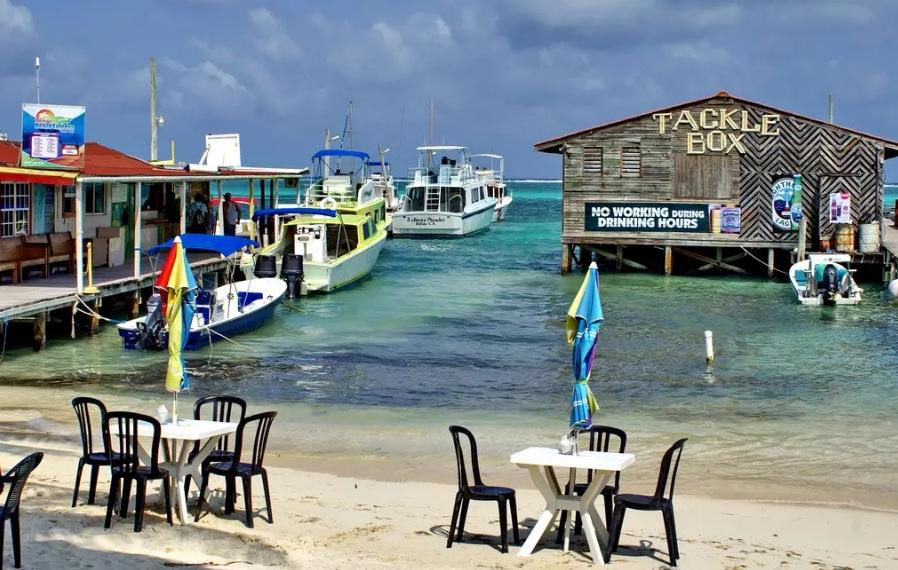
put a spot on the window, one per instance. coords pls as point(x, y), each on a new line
point(68, 201)
point(15, 209)
point(94, 198)
point(631, 161)
point(592, 160)
point(366, 229)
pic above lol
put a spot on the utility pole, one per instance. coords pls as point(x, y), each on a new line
point(154, 125)
point(37, 76)
point(830, 107)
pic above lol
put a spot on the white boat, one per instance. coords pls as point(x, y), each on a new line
point(444, 198)
point(493, 176)
point(223, 312)
point(341, 226)
point(823, 280)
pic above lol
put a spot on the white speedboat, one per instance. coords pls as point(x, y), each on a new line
point(493, 176)
point(823, 280)
point(444, 198)
point(223, 312)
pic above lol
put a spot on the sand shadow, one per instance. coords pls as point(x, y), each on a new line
point(646, 548)
point(493, 541)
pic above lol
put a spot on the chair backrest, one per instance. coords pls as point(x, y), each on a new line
point(665, 475)
point(16, 477)
point(223, 410)
point(601, 438)
point(122, 438)
point(463, 481)
point(255, 428)
point(83, 406)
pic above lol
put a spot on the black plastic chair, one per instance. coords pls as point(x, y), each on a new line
point(121, 435)
point(600, 439)
point(662, 501)
point(16, 479)
point(95, 456)
point(223, 409)
point(478, 492)
point(258, 426)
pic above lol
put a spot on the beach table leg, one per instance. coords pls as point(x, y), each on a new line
point(194, 468)
point(596, 533)
point(572, 482)
point(545, 481)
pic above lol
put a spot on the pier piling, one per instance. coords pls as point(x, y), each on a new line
point(40, 332)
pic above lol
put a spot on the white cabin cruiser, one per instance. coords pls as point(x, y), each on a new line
point(823, 280)
point(494, 178)
point(444, 198)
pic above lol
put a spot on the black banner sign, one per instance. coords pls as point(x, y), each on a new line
point(646, 217)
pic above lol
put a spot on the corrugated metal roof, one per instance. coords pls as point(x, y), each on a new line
point(99, 160)
point(554, 144)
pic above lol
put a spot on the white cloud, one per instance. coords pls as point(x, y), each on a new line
point(271, 39)
point(15, 19)
point(699, 52)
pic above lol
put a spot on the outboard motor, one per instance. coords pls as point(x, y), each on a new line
point(292, 272)
point(266, 266)
point(830, 285)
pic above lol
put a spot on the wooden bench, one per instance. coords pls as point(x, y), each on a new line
point(62, 249)
point(21, 253)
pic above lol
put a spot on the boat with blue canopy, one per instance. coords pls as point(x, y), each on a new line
point(221, 312)
point(824, 279)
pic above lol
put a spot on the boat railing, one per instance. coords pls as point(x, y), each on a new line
point(441, 174)
point(317, 192)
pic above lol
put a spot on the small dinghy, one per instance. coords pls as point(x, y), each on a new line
point(223, 312)
point(823, 280)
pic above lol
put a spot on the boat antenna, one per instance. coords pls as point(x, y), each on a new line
point(347, 127)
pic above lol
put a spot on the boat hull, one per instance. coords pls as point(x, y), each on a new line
point(327, 277)
point(442, 224)
point(234, 321)
point(798, 275)
point(501, 209)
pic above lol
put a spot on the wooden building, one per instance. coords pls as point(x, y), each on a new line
point(720, 182)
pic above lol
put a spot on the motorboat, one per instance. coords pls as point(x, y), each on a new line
point(493, 176)
point(339, 229)
point(444, 197)
point(822, 279)
point(223, 312)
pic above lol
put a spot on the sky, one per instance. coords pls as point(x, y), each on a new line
point(502, 74)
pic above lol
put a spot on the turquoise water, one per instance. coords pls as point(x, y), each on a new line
point(471, 331)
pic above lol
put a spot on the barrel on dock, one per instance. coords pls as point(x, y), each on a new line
point(843, 238)
point(868, 238)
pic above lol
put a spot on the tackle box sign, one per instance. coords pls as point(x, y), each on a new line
point(646, 217)
point(52, 136)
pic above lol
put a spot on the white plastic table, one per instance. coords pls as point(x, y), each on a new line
point(540, 462)
point(177, 443)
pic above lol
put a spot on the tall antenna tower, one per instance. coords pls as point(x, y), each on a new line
point(37, 76)
point(154, 123)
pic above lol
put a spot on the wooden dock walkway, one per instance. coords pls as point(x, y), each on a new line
point(39, 296)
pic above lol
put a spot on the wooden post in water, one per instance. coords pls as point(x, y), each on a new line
point(619, 262)
point(802, 238)
point(40, 332)
point(668, 260)
point(770, 262)
point(585, 258)
point(134, 305)
point(94, 317)
point(566, 258)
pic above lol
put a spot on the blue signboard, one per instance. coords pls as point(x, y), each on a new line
point(52, 136)
point(730, 220)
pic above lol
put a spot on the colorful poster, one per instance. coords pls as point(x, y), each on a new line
point(730, 220)
point(840, 208)
point(646, 217)
point(786, 203)
point(52, 136)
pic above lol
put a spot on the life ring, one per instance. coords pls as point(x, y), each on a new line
point(328, 203)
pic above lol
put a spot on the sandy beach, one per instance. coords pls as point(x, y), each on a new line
point(324, 520)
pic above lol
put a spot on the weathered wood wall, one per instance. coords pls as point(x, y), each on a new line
point(830, 159)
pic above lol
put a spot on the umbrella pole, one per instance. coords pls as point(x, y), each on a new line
point(175, 410)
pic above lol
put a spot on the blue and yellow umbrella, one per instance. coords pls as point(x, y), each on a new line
point(584, 317)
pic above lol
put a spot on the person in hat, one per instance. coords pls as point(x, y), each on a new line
point(230, 213)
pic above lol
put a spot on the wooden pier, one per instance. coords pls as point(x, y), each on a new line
point(35, 299)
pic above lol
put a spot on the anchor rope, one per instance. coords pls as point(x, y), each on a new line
point(762, 262)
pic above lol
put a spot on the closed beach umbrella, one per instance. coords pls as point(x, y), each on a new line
point(178, 287)
point(582, 325)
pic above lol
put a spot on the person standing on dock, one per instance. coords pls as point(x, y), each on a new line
point(230, 213)
point(198, 215)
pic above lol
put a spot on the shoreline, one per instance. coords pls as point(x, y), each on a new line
point(329, 521)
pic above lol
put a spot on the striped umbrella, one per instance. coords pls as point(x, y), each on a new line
point(178, 287)
point(582, 326)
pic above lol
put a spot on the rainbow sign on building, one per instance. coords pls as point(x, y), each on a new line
point(52, 136)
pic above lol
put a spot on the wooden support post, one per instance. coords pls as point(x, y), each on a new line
point(183, 219)
point(613, 257)
point(724, 261)
point(668, 260)
point(134, 305)
point(585, 258)
point(264, 221)
point(619, 261)
point(566, 258)
point(802, 238)
point(706, 259)
point(273, 226)
point(770, 260)
point(79, 236)
point(40, 332)
point(94, 317)
point(138, 190)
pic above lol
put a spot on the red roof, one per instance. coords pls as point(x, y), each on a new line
point(99, 160)
point(554, 144)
